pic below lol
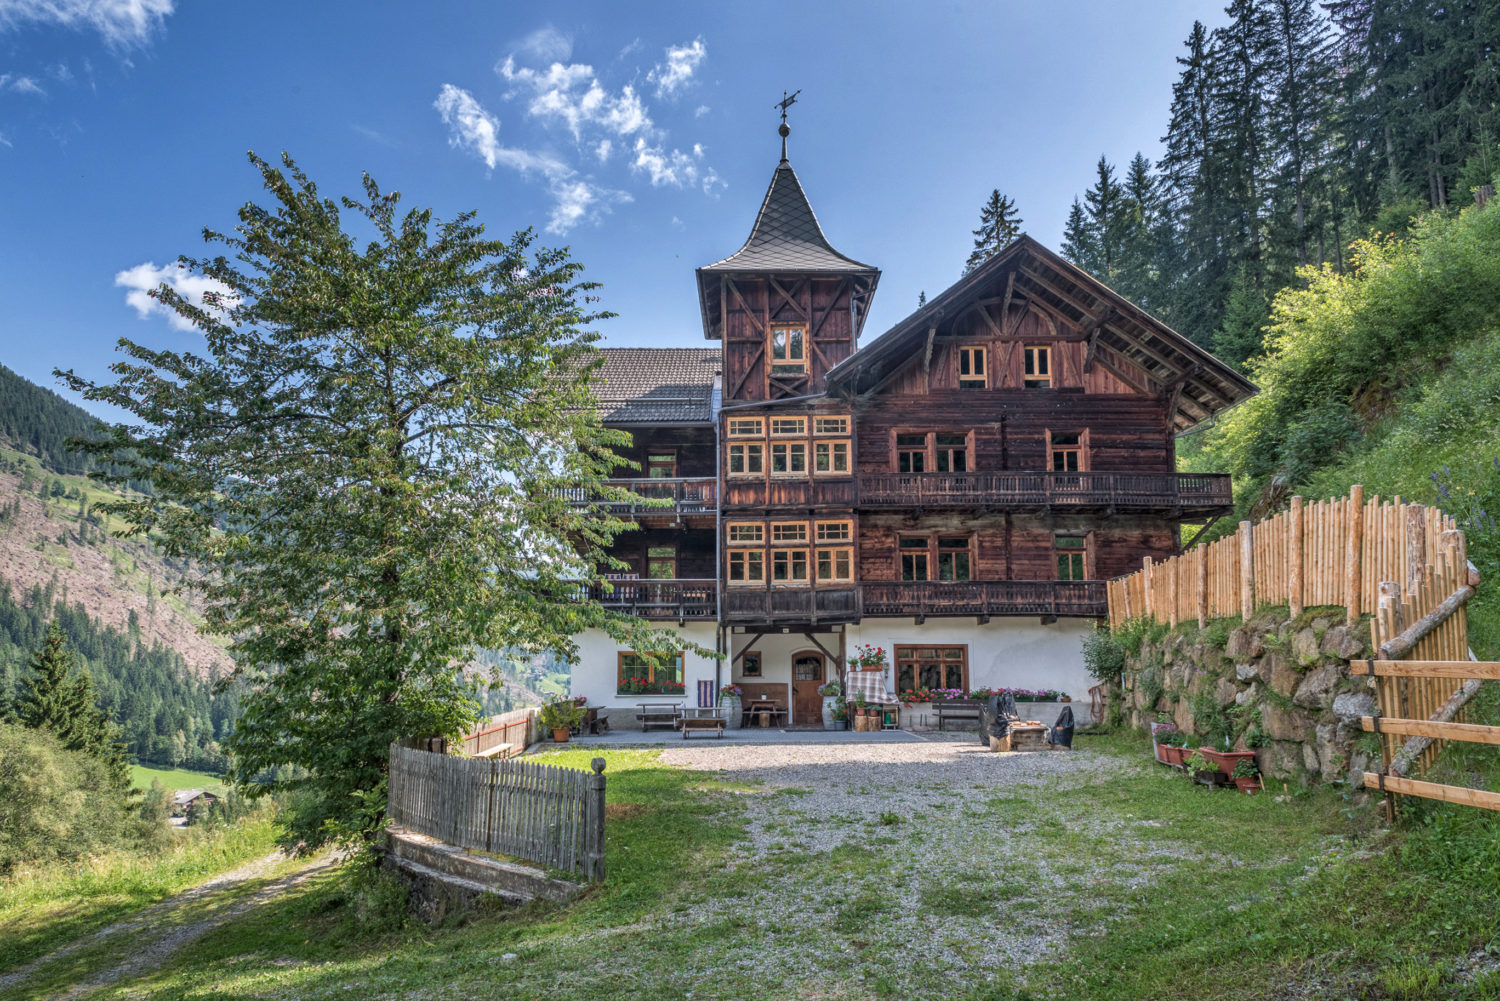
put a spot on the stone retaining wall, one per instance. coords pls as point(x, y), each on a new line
point(1276, 686)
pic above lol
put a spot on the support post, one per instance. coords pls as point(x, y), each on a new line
point(1146, 578)
point(1202, 587)
point(1353, 564)
point(1247, 570)
point(593, 858)
point(1416, 545)
point(1174, 572)
point(1295, 563)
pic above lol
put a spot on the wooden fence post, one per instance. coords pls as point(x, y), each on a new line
point(1202, 586)
point(1174, 571)
point(1146, 588)
point(1416, 545)
point(1294, 566)
point(1353, 565)
point(593, 857)
point(1247, 570)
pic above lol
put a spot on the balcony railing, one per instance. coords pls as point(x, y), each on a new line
point(1035, 489)
point(777, 604)
point(658, 599)
point(1077, 598)
point(673, 497)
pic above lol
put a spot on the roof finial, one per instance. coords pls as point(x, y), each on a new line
point(783, 104)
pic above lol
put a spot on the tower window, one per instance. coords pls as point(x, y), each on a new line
point(788, 350)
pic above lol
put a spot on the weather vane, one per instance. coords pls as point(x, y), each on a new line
point(784, 131)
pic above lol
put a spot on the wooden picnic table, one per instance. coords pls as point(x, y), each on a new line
point(702, 719)
point(665, 714)
point(768, 712)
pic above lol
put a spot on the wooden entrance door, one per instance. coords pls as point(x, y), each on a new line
point(807, 676)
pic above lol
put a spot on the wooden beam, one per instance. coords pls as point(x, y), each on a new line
point(1091, 331)
point(1088, 311)
point(1051, 313)
point(748, 647)
point(1432, 790)
point(1010, 288)
point(754, 320)
point(826, 652)
point(1484, 670)
point(1106, 360)
point(1399, 646)
point(1472, 733)
point(927, 358)
point(790, 298)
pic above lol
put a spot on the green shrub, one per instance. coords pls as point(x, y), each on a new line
point(1104, 655)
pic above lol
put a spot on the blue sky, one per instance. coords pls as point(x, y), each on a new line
point(642, 136)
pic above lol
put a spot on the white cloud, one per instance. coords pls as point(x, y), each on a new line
point(682, 62)
point(675, 168)
point(703, 109)
point(546, 45)
point(22, 85)
point(604, 149)
point(5, 141)
point(60, 72)
point(572, 94)
point(143, 279)
point(576, 199)
point(121, 23)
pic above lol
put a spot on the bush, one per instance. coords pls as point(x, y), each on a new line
point(56, 804)
point(1103, 655)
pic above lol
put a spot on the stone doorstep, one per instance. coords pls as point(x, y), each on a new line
point(508, 879)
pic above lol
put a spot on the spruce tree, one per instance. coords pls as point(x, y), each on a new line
point(998, 226)
point(1107, 219)
point(1078, 243)
point(59, 697)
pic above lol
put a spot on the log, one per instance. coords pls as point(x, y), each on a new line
point(1399, 646)
point(1353, 566)
point(1247, 570)
point(1432, 790)
point(1456, 669)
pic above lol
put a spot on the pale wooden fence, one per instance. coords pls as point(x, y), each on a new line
point(1334, 552)
point(505, 736)
point(541, 813)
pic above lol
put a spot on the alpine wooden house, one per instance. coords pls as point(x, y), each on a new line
point(955, 490)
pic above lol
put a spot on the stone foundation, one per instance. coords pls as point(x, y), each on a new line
point(1279, 687)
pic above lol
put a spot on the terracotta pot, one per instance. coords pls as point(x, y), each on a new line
point(1249, 786)
point(1226, 760)
point(561, 734)
point(1174, 755)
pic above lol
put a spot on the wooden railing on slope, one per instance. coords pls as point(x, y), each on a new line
point(1334, 552)
point(507, 735)
point(541, 813)
point(1425, 675)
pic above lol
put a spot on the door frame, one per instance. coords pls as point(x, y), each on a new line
point(823, 680)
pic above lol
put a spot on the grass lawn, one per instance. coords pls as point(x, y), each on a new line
point(141, 776)
point(42, 909)
point(1131, 883)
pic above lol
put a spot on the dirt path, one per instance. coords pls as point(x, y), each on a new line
point(158, 938)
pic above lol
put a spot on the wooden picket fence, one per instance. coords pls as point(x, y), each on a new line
point(1425, 674)
point(541, 813)
point(1334, 552)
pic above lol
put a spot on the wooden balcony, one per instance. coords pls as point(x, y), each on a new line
point(1179, 493)
point(679, 600)
point(919, 599)
point(674, 498)
point(791, 604)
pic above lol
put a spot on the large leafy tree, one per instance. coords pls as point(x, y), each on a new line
point(370, 459)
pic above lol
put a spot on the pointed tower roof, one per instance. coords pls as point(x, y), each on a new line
point(786, 239)
point(786, 235)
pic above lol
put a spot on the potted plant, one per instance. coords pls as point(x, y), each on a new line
point(1176, 749)
point(1159, 743)
point(1200, 768)
point(562, 718)
point(868, 658)
point(840, 718)
point(831, 693)
point(731, 700)
point(1227, 761)
point(1246, 776)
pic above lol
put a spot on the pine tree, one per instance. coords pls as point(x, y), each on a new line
point(1078, 241)
point(1299, 84)
point(998, 226)
point(1107, 219)
point(59, 697)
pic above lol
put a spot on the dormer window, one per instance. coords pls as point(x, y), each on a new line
point(788, 350)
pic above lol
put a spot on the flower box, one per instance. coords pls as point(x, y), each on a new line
point(1226, 760)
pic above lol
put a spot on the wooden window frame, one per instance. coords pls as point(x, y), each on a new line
point(846, 524)
point(760, 533)
point(778, 539)
point(968, 437)
point(799, 365)
point(1087, 552)
point(905, 654)
point(799, 425)
point(832, 554)
point(790, 553)
point(925, 553)
point(747, 559)
point(1044, 381)
point(966, 354)
point(745, 447)
point(831, 447)
point(753, 427)
point(746, 659)
point(839, 428)
point(968, 550)
point(791, 448)
point(657, 559)
point(1082, 448)
point(651, 455)
point(680, 681)
point(929, 449)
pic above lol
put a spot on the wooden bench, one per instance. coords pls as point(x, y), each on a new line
point(702, 724)
point(657, 714)
point(955, 709)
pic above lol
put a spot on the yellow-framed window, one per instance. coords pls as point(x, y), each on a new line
point(789, 458)
point(830, 425)
point(747, 427)
point(747, 459)
point(835, 564)
point(788, 531)
point(1038, 371)
point(788, 427)
point(834, 531)
point(973, 370)
point(830, 458)
point(789, 566)
point(747, 566)
point(746, 533)
point(787, 348)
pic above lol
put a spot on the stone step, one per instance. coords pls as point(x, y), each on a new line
point(524, 881)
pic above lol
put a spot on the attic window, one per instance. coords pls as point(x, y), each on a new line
point(972, 373)
point(788, 350)
point(1038, 368)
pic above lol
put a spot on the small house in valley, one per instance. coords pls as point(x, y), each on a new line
point(954, 491)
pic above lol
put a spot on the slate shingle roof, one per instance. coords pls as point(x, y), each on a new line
point(657, 385)
point(786, 235)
